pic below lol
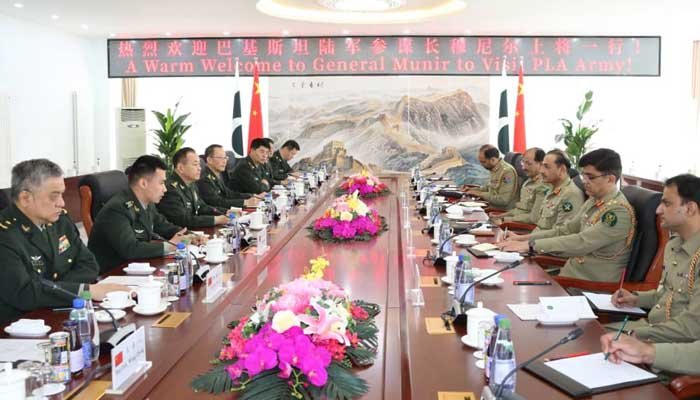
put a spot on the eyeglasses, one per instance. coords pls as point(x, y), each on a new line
point(589, 177)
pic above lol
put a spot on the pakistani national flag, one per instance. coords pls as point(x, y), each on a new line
point(503, 134)
point(237, 127)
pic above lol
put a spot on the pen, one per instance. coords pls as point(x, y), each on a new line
point(622, 280)
point(622, 327)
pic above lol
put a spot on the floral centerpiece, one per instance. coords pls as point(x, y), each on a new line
point(301, 341)
point(349, 218)
point(366, 184)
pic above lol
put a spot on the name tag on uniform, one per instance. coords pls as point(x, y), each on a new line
point(63, 244)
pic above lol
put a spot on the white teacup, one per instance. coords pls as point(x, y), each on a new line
point(256, 219)
point(450, 264)
point(148, 295)
point(466, 238)
point(139, 266)
point(215, 249)
point(118, 298)
point(299, 188)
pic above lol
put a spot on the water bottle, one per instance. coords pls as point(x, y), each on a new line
point(445, 232)
point(182, 260)
point(464, 278)
point(235, 240)
point(488, 351)
point(79, 314)
point(503, 357)
point(87, 297)
point(435, 213)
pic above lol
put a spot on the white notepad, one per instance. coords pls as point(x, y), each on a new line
point(593, 371)
point(603, 303)
point(526, 312)
point(567, 307)
point(21, 349)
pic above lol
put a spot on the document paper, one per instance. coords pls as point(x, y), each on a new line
point(593, 371)
point(526, 312)
point(566, 307)
point(603, 303)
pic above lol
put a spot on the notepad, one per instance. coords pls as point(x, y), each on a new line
point(593, 371)
point(485, 247)
point(566, 307)
point(526, 312)
point(603, 302)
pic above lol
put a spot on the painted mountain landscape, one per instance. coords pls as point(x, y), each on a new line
point(390, 125)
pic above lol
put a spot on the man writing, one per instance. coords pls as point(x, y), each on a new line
point(502, 189)
point(279, 162)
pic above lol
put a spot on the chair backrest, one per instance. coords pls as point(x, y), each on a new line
point(95, 192)
point(646, 258)
point(232, 161)
point(517, 163)
point(579, 182)
point(5, 198)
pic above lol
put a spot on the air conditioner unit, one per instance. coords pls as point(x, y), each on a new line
point(131, 135)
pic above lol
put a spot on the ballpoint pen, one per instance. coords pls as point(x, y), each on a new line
point(617, 336)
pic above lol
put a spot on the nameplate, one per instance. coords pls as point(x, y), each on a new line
point(128, 362)
point(261, 241)
point(215, 284)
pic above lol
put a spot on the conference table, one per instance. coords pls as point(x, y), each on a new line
point(410, 363)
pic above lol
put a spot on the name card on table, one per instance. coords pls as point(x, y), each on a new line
point(128, 362)
point(261, 241)
point(215, 284)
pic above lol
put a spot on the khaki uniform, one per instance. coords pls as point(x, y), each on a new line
point(182, 205)
point(280, 167)
point(674, 314)
point(597, 240)
point(215, 193)
point(678, 358)
point(502, 190)
point(124, 229)
point(28, 253)
point(532, 195)
point(560, 205)
point(247, 177)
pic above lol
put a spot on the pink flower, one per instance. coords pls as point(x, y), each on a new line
point(323, 325)
point(358, 312)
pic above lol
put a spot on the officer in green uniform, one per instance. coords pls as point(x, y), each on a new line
point(502, 189)
point(531, 194)
point(182, 204)
point(598, 239)
point(39, 241)
point(280, 160)
point(126, 226)
point(674, 314)
point(267, 167)
point(674, 358)
point(211, 186)
point(248, 175)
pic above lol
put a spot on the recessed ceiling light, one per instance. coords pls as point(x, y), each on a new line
point(84, 26)
point(18, 5)
point(112, 34)
point(226, 33)
point(285, 32)
point(54, 17)
point(168, 34)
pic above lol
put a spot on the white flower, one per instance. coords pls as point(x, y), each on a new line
point(370, 182)
point(284, 320)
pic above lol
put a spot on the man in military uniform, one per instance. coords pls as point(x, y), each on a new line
point(182, 204)
point(675, 358)
point(267, 167)
point(674, 314)
point(280, 160)
point(248, 175)
point(126, 225)
point(598, 239)
point(211, 186)
point(502, 189)
point(39, 241)
point(531, 194)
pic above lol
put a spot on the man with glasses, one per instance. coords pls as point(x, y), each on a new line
point(211, 185)
point(502, 189)
point(598, 239)
point(532, 193)
point(182, 204)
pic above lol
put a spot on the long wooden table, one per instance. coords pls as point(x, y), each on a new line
point(410, 364)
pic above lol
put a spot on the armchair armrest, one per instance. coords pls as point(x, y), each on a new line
point(549, 261)
point(685, 386)
point(518, 226)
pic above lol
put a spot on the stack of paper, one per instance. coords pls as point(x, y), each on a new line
point(603, 302)
point(566, 307)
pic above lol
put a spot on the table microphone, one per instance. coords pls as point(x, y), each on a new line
point(439, 261)
point(115, 336)
point(497, 389)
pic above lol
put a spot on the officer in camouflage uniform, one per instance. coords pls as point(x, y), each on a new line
point(531, 194)
point(502, 189)
point(248, 175)
point(182, 204)
point(280, 160)
point(39, 241)
point(126, 226)
point(674, 314)
point(211, 186)
point(598, 239)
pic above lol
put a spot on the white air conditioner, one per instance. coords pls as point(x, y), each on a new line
point(131, 135)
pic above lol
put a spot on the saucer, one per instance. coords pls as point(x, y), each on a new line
point(492, 281)
point(466, 243)
point(138, 271)
point(24, 334)
point(257, 227)
point(507, 257)
point(455, 216)
point(469, 341)
point(152, 311)
point(104, 318)
point(434, 241)
point(106, 304)
point(217, 260)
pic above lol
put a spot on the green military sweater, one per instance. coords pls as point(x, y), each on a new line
point(532, 195)
point(27, 253)
point(559, 205)
point(502, 189)
point(123, 231)
point(215, 193)
point(247, 177)
point(280, 167)
point(182, 205)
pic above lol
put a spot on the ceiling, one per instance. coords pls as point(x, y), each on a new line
point(183, 18)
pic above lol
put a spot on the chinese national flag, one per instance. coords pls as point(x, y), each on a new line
point(255, 127)
point(519, 145)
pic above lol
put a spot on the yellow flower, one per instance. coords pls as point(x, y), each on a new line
point(364, 173)
point(284, 320)
point(346, 216)
point(316, 271)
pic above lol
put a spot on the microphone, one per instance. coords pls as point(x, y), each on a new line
point(439, 260)
point(115, 336)
point(573, 335)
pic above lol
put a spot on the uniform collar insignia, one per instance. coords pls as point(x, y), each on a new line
point(25, 228)
point(129, 203)
point(599, 203)
point(556, 191)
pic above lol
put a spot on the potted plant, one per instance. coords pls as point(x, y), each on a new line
point(576, 141)
point(170, 135)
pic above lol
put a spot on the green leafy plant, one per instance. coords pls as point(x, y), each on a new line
point(576, 141)
point(169, 137)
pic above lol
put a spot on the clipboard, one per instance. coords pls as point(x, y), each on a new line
point(574, 388)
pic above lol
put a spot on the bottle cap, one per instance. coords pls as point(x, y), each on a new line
point(180, 246)
point(78, 303)
point(504, 323)
point(86, 295)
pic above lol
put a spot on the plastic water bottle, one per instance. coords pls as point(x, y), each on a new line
point(269, 208)
point(80, 314)
point(488, 351)
point(464, 278)
point(503, 357)
point(235, 233)
point(445, 232)
point(182, 260)
point(87, 297)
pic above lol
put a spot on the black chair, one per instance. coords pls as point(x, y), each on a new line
point(95, 192)
point(516, 160)
point(5, 198)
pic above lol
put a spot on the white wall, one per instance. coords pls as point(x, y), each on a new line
point(40, 68)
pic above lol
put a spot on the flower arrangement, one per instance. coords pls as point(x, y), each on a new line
point(366, 184)
point(301, 341)
point(348, 219)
